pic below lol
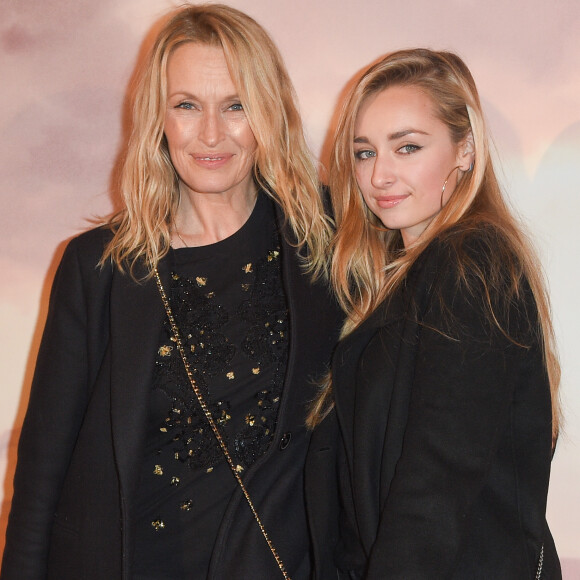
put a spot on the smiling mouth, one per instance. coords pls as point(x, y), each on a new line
point(214, 161)
point(390, 201)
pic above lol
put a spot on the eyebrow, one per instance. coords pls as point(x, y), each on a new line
point(186, 94)
point(394, 136)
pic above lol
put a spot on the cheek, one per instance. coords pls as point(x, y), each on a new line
point(362, 173)
point(173, 134)
point(244, 136)
point(429, 178)
point(365, 194)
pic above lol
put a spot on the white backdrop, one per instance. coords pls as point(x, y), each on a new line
point(64, 70)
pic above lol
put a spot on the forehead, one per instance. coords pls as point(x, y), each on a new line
point(193, 64)
point(395, 108)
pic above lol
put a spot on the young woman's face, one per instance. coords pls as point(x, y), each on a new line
point(403, 156)
point(210, 140)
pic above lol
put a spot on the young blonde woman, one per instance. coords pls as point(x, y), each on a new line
point(435, 430)
point(121, 474)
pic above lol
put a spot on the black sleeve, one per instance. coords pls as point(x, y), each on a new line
point(465, 376)
point(56, 408)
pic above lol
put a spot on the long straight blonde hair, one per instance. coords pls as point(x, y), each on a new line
point(368, 262)
point(283, 166)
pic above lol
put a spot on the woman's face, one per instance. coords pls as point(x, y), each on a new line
point(210, 140)
point(403, 155)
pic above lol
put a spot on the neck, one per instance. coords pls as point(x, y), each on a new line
point(205, 219)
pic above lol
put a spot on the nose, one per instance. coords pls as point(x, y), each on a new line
point(383, 175)
point(211, 130)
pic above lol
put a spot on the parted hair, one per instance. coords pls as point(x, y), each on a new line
point(369, 262)
point(283, 165)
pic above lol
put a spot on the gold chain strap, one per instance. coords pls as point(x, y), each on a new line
point(213, 425)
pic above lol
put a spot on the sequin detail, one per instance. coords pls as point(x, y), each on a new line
point(186, 505)
point(201, 319)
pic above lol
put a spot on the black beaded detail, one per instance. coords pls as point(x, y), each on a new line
point(201, 321)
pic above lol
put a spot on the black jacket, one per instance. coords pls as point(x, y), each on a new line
point(440, 438)
point(83, 436)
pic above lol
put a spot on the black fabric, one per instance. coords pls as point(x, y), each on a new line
point(73, 511)
point(229, 305)
point(445, 442)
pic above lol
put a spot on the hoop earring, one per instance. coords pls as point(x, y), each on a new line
point(445, 184)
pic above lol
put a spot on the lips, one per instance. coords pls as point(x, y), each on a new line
point(211, 160)
point(388, 201)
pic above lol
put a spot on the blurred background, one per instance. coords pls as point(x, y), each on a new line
point(65, 69)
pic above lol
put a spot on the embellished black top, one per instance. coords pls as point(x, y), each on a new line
point(229, 304)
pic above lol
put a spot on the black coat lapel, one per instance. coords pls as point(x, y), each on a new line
point(136, 318)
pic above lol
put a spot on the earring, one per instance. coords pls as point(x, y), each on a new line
point(471, 166)
point(445, 183)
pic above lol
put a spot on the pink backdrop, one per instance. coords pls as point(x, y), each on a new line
point(64, 70)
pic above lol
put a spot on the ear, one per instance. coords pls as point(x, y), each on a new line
point(466, 153)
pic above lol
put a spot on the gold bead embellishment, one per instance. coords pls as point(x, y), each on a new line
point(158, 525)
point(175, 481)
point(248, 268)
point(272, 255)
point(230, 375)
point(186, 505)
point(201, 281)
point(250, 420)
point(165, 350)
point(224, 417)
point(209, 470)
point(246, 287)
point(158, 470)
point(239, 468)
point(256, 370)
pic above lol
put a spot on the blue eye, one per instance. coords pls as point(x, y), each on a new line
point(364, 154)
point(236, 107)
point(407, 149)
point(185, 105)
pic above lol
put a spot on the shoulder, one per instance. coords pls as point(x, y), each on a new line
point(79, 266)
point(472, 259)
point(481, 247)
point(86, 249)
point(91, 243)
point(476, 274)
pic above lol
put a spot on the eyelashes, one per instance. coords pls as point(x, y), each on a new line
point(189, 106)
point(408, 149)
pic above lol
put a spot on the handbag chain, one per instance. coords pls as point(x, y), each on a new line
point(540, 564)
point(213, 425)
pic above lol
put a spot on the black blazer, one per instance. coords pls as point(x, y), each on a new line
point(440, 437)
point(83, 436)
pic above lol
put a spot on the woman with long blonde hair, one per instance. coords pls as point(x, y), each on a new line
point(165, 434)
point(436, 427)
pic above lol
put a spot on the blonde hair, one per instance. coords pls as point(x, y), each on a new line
point(283, 166)
point(369, 262)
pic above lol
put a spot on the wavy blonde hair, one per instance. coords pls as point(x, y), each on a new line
point(368, 262)
point(283, 165)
